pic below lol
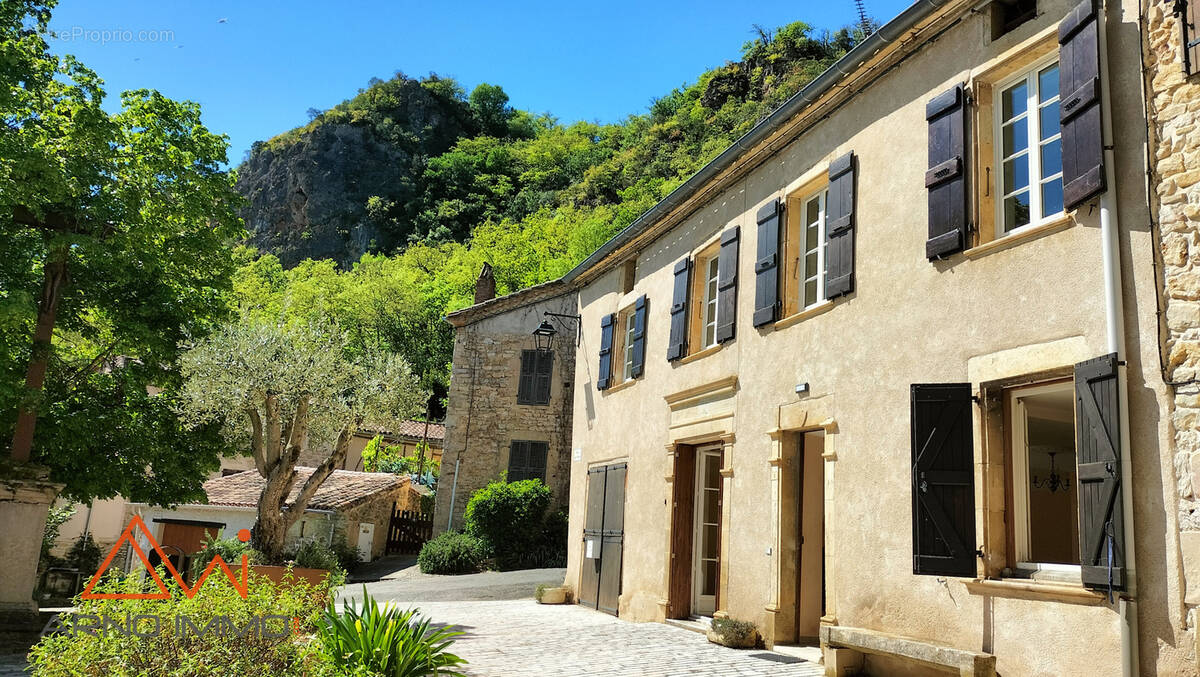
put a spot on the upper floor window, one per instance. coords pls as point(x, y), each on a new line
point(527, 460)
point(629, 333)
point(537, 367)
point(812, 259)
point(1030, 185)
point(709, 310)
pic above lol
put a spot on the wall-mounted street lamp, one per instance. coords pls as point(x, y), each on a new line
point(543, 336)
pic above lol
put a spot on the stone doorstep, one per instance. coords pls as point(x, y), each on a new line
point(700, 624)
point(870, 641)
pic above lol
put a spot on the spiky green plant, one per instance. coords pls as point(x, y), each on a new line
point(387, 641)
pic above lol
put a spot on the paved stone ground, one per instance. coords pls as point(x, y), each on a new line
point(407, 584)
point(517, 638)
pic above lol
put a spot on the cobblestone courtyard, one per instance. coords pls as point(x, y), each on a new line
point(520, 637)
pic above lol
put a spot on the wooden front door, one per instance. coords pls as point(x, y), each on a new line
point(603, 539)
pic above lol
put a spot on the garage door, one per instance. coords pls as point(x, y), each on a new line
point(603, 538)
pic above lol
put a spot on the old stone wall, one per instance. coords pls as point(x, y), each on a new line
point(378, 511)
point(483, 416)
point(1173, 108)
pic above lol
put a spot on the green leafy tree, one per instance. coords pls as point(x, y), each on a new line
point(115, 229)
point(283, 390)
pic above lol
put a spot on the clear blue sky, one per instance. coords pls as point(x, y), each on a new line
point(258, 71)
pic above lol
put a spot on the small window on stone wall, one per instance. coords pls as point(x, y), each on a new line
point(527, 460)
point(1008, 14)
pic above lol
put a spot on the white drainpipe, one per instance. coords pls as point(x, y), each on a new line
point(1114, 311)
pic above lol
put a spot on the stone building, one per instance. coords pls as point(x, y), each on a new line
point(1173, 109)
point(886, 372)
point(511, 404)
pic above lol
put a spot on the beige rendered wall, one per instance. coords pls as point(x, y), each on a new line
point(1174, 110)
point(483, 416)
point(1018, 310)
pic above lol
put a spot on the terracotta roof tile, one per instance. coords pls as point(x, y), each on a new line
point(342, 489)
point(437, 431)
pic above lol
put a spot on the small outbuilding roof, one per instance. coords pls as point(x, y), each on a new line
point(341, 490)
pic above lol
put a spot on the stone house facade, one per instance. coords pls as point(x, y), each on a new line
point(885, 375)
point(1173, 110)
point(510, 405)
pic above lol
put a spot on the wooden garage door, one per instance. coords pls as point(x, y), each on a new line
point(603, 538)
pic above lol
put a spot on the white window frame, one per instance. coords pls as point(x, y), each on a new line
point(1033, 148)
point(1020, 489)
point(821, 196)
point(627, 361)
point(712, 272)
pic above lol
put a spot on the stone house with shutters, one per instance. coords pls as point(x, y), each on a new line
point(888, 374)
point(510, 403)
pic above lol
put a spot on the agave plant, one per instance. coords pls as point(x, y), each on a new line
point(388, 641)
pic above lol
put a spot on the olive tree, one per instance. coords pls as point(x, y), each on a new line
point(284, 391)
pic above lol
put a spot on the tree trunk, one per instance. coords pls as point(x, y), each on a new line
point(53, 282)
point(270, 530)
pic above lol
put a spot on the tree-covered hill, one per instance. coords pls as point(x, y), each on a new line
point(401, 193)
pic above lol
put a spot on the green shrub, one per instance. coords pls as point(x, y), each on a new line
point(314, 554)
point(84, 554)
point(734, 632)
point(509, 518)
point(178, 650)
point(230, 550)
point(347, 555)
point(451, 553)
point(57, 517)
point(387, 641)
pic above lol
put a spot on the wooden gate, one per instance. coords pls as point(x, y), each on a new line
point(407, 531)
point(603, 538)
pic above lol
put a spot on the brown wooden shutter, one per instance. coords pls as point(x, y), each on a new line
point(639, 337)
point(766, 265)
point(727, 265)
point(525, 384)
point(943, 480)
point(1191, 37)
point(606, 343)
point(1079, 94)
point(946, 179)
point(1098, 467)
point(679, 302)
point(839, 227)
point(543, 376)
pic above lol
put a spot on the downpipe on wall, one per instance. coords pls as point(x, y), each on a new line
point(1114, 310)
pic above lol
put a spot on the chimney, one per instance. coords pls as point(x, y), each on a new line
point(485, 286)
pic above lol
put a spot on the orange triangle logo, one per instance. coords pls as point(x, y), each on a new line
point(190, 592)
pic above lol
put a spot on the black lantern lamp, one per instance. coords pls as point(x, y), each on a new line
point(543, 336)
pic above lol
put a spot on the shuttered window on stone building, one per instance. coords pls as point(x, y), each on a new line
point(527, 460)
point(1190, 20)
point(537, 369)
point(943, 480)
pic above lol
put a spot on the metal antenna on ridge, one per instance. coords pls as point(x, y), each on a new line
point(863, 22)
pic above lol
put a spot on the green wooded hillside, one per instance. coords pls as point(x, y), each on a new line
point(476, 181)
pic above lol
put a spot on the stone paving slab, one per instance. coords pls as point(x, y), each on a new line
point(521, 638)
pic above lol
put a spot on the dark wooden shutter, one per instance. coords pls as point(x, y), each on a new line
point(535, 462)
point(543, 376)
point(518, 460)
point(606, 343)
point(946, 179)
point(1098, 466)
point(766, 265)
point(1191, 37)
point(727, 285)
point(943, 480)
point(679, 302)
point(525, 384)
point(639, 337)
point(1079, 93)
point(839, 227)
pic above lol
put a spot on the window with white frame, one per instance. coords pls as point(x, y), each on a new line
point(812, 251)
point(709, 333)
point(1044, 486)
point(1029, 151)
point(627, 361)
